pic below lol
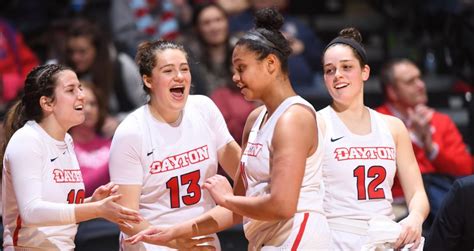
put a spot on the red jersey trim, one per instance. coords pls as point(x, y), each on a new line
point(300, 233)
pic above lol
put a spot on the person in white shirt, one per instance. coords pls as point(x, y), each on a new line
point(279, 190)
point(363, 151)
point(42, 188)
point(163, 152)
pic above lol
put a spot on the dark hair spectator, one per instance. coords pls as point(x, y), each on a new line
point(95, 59)
point(439, 148)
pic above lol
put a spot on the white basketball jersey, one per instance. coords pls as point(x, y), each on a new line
point(171, 163)
point(358, 170)
point(255, 168)
point(40, 170)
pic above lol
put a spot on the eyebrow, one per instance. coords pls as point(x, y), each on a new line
point(73, 85)
point(234, 61)
point(343, 61)
point(182, 64)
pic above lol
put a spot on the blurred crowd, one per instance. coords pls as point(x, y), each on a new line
point(98, 39)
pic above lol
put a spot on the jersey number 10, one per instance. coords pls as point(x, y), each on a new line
point(76, 198)
point(372, 190)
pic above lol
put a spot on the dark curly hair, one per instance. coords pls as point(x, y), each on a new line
point(268, 22)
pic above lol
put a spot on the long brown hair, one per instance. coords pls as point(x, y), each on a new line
point(41, 81)
point(102, 69)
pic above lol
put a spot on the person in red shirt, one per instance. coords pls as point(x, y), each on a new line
point(16, 60)
point(438, 145)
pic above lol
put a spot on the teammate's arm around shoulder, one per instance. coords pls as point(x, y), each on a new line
point(410, 178)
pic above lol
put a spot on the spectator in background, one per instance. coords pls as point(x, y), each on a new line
point(438, 145)
point(16, 60)
point(453, 227)
point(134, 21)
point(92, 149)
point(115, 74)
point(211, 50)
point(305, 60)
point(212, 73)
point(234, 108)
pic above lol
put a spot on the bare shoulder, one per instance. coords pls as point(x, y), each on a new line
point(254, 115)
point(298, 113)
point(297, 119)
point(395, 125)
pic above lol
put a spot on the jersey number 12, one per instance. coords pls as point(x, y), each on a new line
point(372, 190)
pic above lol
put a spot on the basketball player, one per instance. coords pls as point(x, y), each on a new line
point(363, 151)
point(42, 187)
point(279, 190)
point(163, 152)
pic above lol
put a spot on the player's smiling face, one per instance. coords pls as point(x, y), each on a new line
point(343, 74)
point(68, 104)
point(170, 80)
point(249, 73)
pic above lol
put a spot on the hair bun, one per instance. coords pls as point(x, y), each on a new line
point(351, 33)
point(268, 18)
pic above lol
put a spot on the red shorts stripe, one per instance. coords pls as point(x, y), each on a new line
point(300, 233)
point(17, 231)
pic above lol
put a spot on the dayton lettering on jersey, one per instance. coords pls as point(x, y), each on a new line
point(343, 153)
point(253, 149)
point(67, 176)
point(180, 160)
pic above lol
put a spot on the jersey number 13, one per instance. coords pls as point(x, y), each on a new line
point(193, 194)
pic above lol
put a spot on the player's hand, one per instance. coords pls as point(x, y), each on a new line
point(166, 237)
point(195, 243)
point(219, 188)
point(104, 191)
point(109, 209)
point(411, 231)
point(154, 235)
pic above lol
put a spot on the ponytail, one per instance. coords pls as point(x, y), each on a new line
point(15, 119)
